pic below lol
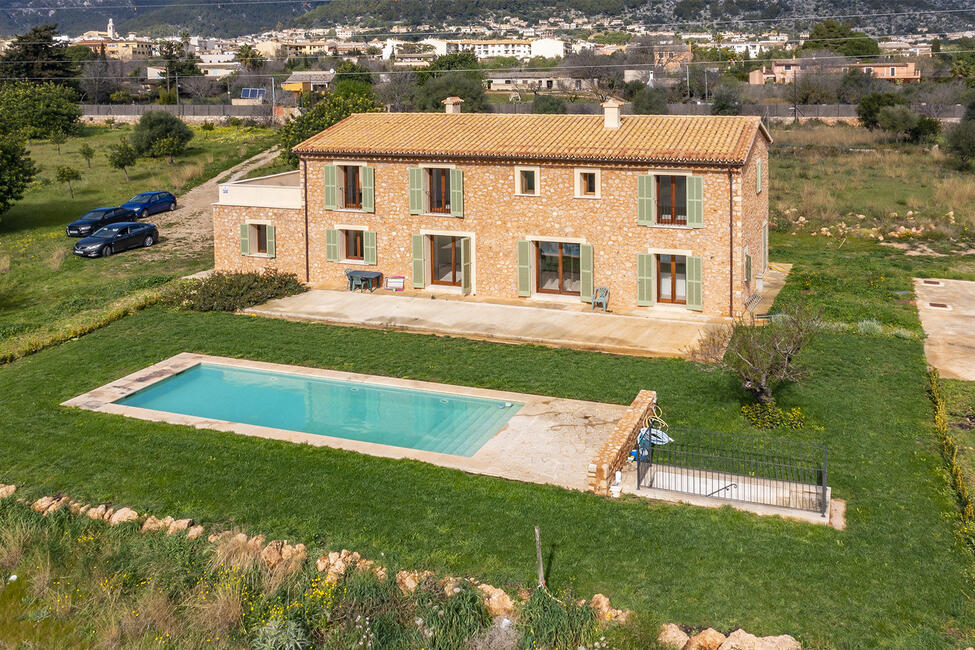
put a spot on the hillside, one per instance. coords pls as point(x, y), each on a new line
point(167, 17)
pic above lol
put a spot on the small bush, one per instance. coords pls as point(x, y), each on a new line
point(870, 327)
point(448, 621)
point(155, 126)
point(548, 104)
point(281, 634)
point(233, 291)
point(547, 621)
point(766, 415)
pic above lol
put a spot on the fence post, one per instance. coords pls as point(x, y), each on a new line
point(825, 500)
point(538, 555)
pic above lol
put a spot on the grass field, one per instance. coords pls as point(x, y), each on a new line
point(696, 566)
point(41, 282)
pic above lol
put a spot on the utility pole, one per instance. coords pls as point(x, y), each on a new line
point(795, 96)
point(177, 92)
point(687, 73)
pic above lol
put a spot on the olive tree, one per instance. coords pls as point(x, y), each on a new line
point(67, 175)
point(17, 170)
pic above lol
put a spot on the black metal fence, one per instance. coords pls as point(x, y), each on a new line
point(737, 467)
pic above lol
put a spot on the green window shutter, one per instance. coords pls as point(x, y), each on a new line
point(369, 247)
point(465, 265)
point(457, 192)
point(331, 187)
point(695, 284)
point(367, 180)
point(748, 269)
point(418, 265)
point(695, 201)
point(758, 176)
point(585, 272)
point(645, 284)
point(270, 241)
point(416, 190)
point(646, 200)
point(245, 239)
point(524, 268)
point(331, 245)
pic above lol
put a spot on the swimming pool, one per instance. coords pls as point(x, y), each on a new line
point(416, 419)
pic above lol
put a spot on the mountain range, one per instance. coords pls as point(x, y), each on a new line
point(213, 18)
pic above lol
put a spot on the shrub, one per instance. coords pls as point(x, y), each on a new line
point(233, 291)
point(769, 416)
point(281, 634)
point(726, 101)
point(871, 327)
point(121, 156)
point(17, 170)
point(37, 110)
point(155, 126)
point(869, 107)
point(448, 621)
point(650, 101)
point(548, 104)
point(961, 142)
point(547, 621)
point(325, 113)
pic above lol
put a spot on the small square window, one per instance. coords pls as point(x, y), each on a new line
point(587, 184)
point(526, 181)
point(259, 238)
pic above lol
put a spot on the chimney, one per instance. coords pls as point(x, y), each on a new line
point(611, 113)
point(453, 104)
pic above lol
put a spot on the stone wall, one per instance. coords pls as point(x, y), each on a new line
point(289, 239)
point(614, 452)
point(495, 219)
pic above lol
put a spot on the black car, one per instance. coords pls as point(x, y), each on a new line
point(97, 218)
point(117, 237)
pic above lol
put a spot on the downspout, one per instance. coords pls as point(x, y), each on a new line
point(304, 171)
point(731, 245)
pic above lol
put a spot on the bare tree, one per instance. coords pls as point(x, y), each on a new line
point(199, 87)
point(762, 356)
point(100, 78)
point(398, 92)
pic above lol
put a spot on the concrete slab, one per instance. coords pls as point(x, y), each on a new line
point(549, 440)
point(950, 329)
point(667, 333)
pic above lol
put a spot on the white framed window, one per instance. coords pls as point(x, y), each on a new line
point(527, 181)
point(587, 183)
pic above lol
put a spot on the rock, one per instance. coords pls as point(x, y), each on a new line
point(123, 515)
point(496, 601)
point(408, 581)
point(216, 537)
point(75, 507)
point(57, 505)
point(178, 526)
point(380, 572)
point(322, 564)
point(42, 504)
point(271, 555)
point(152, 524)
point(7, 490)
point(671, 636)
point(194, 532)
point(600, 604)
point(97, 512)
point(742, 640)
point(709, 639)
point(108, 514)
point(256, 543)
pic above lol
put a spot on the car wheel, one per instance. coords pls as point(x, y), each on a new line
point(172, 206)
point(148, 241)
point(143, 214)
point(107, 251)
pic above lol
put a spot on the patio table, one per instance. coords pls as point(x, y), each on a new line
point(360, 278)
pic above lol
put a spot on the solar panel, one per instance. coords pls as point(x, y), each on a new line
point(252, 93)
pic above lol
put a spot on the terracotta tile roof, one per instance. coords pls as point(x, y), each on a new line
point(640, 138)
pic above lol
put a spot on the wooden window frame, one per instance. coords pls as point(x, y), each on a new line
point(538, 270)
point(444, 174)
point(359, 238)
point(671, 219)
point(673, 300)
point(579, 183)
point(519, 185)
point(456, 272)
point(351, 176)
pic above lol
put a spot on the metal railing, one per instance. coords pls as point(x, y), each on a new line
point(737, 467)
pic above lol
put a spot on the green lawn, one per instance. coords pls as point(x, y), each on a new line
point(896, 576)
point(42, 283)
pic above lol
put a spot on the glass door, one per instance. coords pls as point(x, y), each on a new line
point(672, 279)
point(558, 268)
point(445, 260)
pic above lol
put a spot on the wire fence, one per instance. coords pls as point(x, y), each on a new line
point(737, 467)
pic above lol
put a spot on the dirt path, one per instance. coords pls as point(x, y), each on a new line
point(188, 230)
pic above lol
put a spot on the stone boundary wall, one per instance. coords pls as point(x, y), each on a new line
point(612, 456)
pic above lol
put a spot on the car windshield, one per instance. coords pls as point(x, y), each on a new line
point(108, 232)
point(145, 196)
point(94, 215)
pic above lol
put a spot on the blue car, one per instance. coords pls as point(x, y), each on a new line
point(150, 203)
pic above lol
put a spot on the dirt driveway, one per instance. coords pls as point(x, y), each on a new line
point(188, 231)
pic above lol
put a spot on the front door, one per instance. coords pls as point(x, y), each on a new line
point(672, 279)
point(445, 258)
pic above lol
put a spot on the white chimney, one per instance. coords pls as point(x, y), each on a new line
point(611, 113)
point(452, 104)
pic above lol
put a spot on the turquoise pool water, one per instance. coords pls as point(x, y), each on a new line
point(440, 422)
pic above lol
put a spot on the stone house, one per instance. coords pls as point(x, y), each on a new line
point(670, 213)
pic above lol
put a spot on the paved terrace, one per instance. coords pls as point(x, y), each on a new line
point(947, 311)
point(668, 332)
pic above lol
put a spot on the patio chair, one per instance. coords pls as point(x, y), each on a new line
point(355, 282)
point(601, 297)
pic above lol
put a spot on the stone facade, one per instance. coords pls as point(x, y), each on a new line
point(496, 218)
